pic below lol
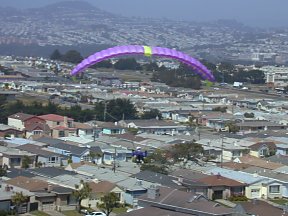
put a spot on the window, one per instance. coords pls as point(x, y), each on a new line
point(58, 123)
point(274, 189)
point(61, 133)
point(86, 158)
point(236, 153)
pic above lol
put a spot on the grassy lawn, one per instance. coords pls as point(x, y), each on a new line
point(71, 213)
point(280, 201)
point(39, 213)
point(119, 210)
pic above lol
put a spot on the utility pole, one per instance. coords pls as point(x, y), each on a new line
point(114, 160)
point(105, 110)
point(222, 151)
point(94, 129)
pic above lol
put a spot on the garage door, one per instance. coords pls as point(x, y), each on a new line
point(255, 193)
point(48, 206)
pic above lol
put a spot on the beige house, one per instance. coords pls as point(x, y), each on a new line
point(61, 126)
point(99, 190)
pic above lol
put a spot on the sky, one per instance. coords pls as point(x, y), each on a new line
point(260, 13)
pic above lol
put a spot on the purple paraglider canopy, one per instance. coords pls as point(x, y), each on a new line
point(198, 67)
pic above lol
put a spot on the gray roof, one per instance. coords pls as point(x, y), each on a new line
point(50, 172)
point(278, 159)
point(12, 173)
point(38, 150)
point(161, 179)
point(102, 174)
point(55, 143)
point(62, 190)
point(4, 127)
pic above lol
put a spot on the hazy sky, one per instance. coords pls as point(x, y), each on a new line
point(264, 13)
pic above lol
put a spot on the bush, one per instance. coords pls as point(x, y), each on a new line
point(239, 198)
point(3, 213)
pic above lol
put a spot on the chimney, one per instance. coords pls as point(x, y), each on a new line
point(180, 179)
point(153, 192)
point(218, 176)
point(65, 123)
point(50, 188)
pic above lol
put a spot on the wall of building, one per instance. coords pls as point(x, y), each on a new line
point(16, 123)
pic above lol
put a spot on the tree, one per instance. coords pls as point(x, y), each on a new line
point(152, 114)
point(115, 110)
point(233, 128)
point(18, 199)
point(26, 161)
point(103, 64)
point(72, 56)
point(163, 169)
point(108, 203)
point(249, 115)
point(82, 191)
point(187, 151)
point(220, 109)
point(56, 55)
point(127, 64)
point(3, 171)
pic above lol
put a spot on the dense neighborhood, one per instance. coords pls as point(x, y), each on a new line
point(213, 151)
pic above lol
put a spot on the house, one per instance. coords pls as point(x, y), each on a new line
point(14, 158)
point(85, 130)
point(47, 197)
point(220, 187)
point(7, 192)
point(10, 131)
point(76, 153)
point(18, 120)
point(99, 190)
point(39, 129)
point(256, 186)
point(255, 125)
point(45, 158)
point(227, 148)
point(282, 149)
point(154, 126)
point(30, 124)
point(61, 126)
point(182, 202)
point(262, 149)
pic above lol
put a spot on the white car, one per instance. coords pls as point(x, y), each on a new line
point(96, 214)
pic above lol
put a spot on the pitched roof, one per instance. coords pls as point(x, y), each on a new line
point(56, 143)
point(38, 150)
point(102, 187)
point(261, 208)
point(151, 123)
point(154, 177)
point(218, 180)
point(235, 166)
point(256, 146)
point(54, 117)
point(37, 126)
point(4, 127)
point(258, 162)
point(21, 116)
point(192, 202)
point(84, 126)
point(28, 183)
point(188, 174)
point(152, 211)
point(51, 172)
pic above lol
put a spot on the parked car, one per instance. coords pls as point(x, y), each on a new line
point(96, 214)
